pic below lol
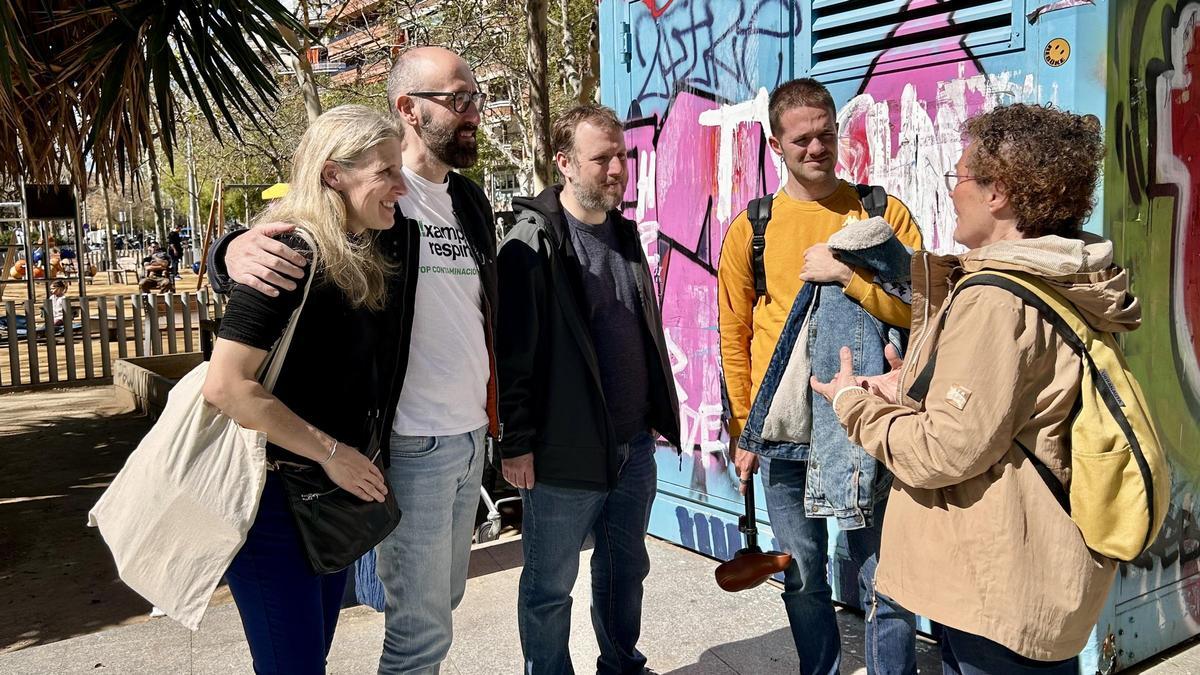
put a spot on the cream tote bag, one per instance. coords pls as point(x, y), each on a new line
point(180, 508)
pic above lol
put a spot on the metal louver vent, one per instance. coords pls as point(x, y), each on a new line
point(848, 34)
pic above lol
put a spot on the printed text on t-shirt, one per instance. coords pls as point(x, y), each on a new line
point(446, 242)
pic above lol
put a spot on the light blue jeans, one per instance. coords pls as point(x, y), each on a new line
point(555, 523)
point(423, 563)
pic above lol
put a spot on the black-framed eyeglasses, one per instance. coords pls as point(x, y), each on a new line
point(953, 179)
point(459, 100)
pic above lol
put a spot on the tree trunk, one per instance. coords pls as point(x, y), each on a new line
point(108, 233)
point(308, 87)
point(539, 91)
point(579, 81)
point(589, 85)
point(571, 81)
point(159, 227)
point(192, 186)
point(302, 68)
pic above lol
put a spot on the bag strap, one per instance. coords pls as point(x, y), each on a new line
point(759, 213)
point(1048, 477)
point(919, 389)
point(874, 199)
point(273, 364)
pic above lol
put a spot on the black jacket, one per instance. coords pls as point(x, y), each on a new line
point(551, 399)
point(174, 244)
point(400, 244)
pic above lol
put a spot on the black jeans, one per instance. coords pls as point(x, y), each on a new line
point(967, 654)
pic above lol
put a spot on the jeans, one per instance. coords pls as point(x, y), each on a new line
point(556, 522)
point(422, 564)
point(967, 654)
point(890, 629)
point(288, 612)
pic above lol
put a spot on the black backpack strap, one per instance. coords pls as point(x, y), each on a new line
point(919, 389)
point(873, 198)
point(1048, 477)
point(759, 213)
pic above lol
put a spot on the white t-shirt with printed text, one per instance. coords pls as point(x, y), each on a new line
point(445, 387)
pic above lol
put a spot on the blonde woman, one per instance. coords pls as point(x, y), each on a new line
point(346, 177)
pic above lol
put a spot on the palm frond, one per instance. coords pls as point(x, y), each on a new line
point(86, 83)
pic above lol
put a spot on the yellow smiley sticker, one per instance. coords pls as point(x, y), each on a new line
point(1057, 52)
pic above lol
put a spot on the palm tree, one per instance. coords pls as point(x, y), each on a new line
point(82, 81)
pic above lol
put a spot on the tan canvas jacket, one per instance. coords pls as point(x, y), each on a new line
point(973, 537)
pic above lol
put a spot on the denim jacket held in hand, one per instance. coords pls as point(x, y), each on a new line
point(843, 482)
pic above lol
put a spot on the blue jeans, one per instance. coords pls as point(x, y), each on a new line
point(288, 612)
point(555, 524)
point(968, 654)
point(890, 629)
point(422, 564)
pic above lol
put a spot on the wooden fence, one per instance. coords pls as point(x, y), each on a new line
point(97, 330)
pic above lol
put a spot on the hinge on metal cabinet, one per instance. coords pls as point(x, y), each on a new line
point(626, 46)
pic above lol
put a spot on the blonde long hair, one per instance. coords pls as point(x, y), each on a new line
point(353, 264)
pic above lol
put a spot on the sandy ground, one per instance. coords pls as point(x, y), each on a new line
point(99, 285)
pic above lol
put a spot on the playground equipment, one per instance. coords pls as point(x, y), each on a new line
point(37, 255)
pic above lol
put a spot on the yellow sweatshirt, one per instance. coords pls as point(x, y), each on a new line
point(749, 332)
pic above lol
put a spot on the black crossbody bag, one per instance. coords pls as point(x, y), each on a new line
point(336, 527)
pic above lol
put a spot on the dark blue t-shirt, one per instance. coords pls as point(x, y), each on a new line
point(614, 315)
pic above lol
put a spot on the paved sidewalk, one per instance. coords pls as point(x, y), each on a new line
point(690, 628)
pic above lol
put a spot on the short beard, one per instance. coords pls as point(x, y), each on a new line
point(444, 143)
point(595, 200)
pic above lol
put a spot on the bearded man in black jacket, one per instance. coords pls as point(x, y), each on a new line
point(585, 387)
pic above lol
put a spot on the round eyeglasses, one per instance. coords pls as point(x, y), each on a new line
point(953, 179)
point(459, 100)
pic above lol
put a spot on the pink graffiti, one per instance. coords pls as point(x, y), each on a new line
point(674, 190)
point(674, 184)
point(923, 72)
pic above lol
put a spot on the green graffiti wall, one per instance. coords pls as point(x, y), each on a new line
point(1152, 207)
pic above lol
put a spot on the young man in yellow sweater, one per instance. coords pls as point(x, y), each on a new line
point(812, 205)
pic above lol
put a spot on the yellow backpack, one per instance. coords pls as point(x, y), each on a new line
point(1120, 480)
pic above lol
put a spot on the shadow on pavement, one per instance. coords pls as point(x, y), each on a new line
point(57, 578)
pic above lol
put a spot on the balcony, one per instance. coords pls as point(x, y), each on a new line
point(500, 109)
point(371, 72)
point(328, 67)
point(360, 39)
point(350, 8)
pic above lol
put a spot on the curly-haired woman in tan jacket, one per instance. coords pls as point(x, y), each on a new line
point(975, 540)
